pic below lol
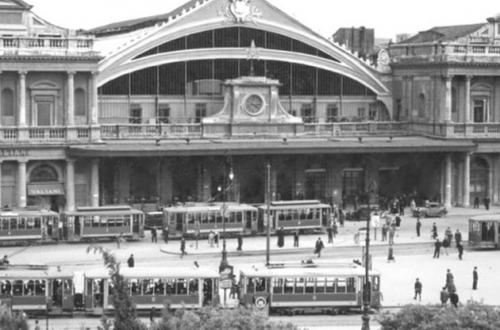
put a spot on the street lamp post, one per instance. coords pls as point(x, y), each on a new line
point(224, 264)
point(268, 211)
point(367, 287)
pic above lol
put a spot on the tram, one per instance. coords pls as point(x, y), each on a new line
point(179, 287)
point(310, 287)
point(21, 225)
point(205, 217)
point(103, 222)
point(154, 219)
point(37, 289)
point(293, 215)
point(484, 231)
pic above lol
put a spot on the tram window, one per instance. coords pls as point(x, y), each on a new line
point(250, 285)
point(330, 285)
point(135, 287)
point(87, 221)
point(311, 214)
point(289, 284)
point(6, 287)
point(17, 288)
point(13, 224)
point(204, 218)
point(239, 217)
point(310, 284)
point(111, 288)
point(147, 288)
point(21, 224)
point(190, 218)
point(126, 221)
point(5, 224)
point(351, 285)
point(320, 285)
point(341, 285)
point(299, 285)
point(211, 218)
point(193, 286)
point(30, 223)
point(40, 288)
point(104, 222)
point(181, 286)
point(38, 222)
point(219, 218)
point(281, 215)
point(231, 217)
point(170, 287)
point(111, 222)
point(159, 287)
point(29, 288)
point(277, 285)
point(95, 221)
point(260, 284)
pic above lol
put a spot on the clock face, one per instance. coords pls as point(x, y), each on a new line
point(254, 104)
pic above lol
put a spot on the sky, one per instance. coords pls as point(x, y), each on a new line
point(387, 17)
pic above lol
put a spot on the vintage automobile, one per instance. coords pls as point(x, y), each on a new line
point(432, 209)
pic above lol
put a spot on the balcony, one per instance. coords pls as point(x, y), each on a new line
point(48, 135)
point(449, 52)
point(47, 46)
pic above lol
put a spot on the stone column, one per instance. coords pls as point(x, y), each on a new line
point(0, 110)
point(70, 185)
point(1, 204)
point(21, 184)
point(447, 181)
point(94, 115)
point(447, 104)
point(94, 182)
point(468, 114)
point(466, 181)
point(21, 121)
point(70, 111)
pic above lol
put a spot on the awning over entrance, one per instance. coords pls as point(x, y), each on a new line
point(45, 189)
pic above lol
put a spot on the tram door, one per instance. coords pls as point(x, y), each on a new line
point(179, 222)
point(248, 220)
point(68, 295)
point(78, 226)
point(56, 289)
point(208, 291)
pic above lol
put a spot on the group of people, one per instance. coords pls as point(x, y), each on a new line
point(486, 203)
point(446, 242)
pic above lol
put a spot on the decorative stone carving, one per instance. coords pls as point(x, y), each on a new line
point(241, 11)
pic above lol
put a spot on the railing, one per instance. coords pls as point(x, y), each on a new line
point(42, 135)
point(47, 46)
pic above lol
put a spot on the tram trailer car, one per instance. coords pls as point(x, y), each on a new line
point(296, 290)
point(104, 222)
point(36, 291)
point(484, 231)
point(190, 288)
point(22, 225)
point(295, 215)
point(205, 217)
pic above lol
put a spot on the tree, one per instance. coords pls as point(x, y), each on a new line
point(212, 318)
point(125, 316)
point(471, 316)
point(12, 321)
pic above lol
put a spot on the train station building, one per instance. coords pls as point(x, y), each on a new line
point(161, 109)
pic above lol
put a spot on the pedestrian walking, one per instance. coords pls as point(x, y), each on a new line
point(390, 254)
point(458, 237)
point(418, 290)
point(329, 231)
point(318, 247)
point(434, 231)
point(385, 228)
point(475, 278)
point(281, 237)
point(375, 222)
point(152, 314)
point(341, 217)
point(131, 261)
point(165, 234)
point(476, 202)
point(446, 244)
point(296, 238)
point(487, 202)
point(240, 242)
point(392, 232)
point(183, 247)
point(153, 235)
point(437, 248)
point(211, 237)
point(448, 234)
point(444, 296)
point(419, 225)
point(216, 238)
point(460, 248)
point(335, 229)
point(450, 282)
point(454, 299)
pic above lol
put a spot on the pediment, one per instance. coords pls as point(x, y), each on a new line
point(44, 85)
point(14, 4)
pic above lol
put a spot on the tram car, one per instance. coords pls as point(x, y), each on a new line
point(297, 289)
point(201, 218)
point(103, 222)
point(37, 289)
point(179, 287)
point(154, 219)
point(22, 225)
point(484, 231)
point(295, 215)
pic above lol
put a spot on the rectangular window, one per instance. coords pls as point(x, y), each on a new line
point(332, 113)
point(307, 113)
point(163, 113)
point(372, 113)
point(135, 114)
point(362, 113)
point(480, 110)
point(200, 112)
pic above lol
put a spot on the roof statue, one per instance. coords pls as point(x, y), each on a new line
point(253, 54)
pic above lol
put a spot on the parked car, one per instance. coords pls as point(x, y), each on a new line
point(432, 209)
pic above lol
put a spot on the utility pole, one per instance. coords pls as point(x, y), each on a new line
point(268, 212)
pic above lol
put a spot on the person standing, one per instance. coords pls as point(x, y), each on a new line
point(335, 229)
point(153, 235)
point(216, 238)
point(37, 326)
point(390, 254)
point(475, 278)
point(458, 238)
point(450, 282)
point(434, 231)
point(329, 231)
point(385, 227)
point(296, 238)
point(460, 248)
point(165, 234)
point(454, 299)
point(419, 226)
point(418, 290)
point(445, 244)
point(341, 217)
point(211, 237)
point(444, 296)
point(487, 202)
point(240, 242)
point(152, 314)
point(183, 247)
point(448, 234)
point(319, 246)
point(392, 232)
point(437, 248)
point(476, 202)
point(281, 237)
point(131, 261)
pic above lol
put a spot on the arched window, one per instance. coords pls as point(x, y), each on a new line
point(80, 102)
point(421, 105)
point(7, 102)
point(44, 173)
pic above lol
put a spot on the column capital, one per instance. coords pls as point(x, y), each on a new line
point(22, 161)
point(447, 77)
point(71, 161)
point(468, 77)
point(71, 74)
point(23, 73)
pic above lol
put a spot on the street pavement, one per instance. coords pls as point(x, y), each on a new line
point(415, 259)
